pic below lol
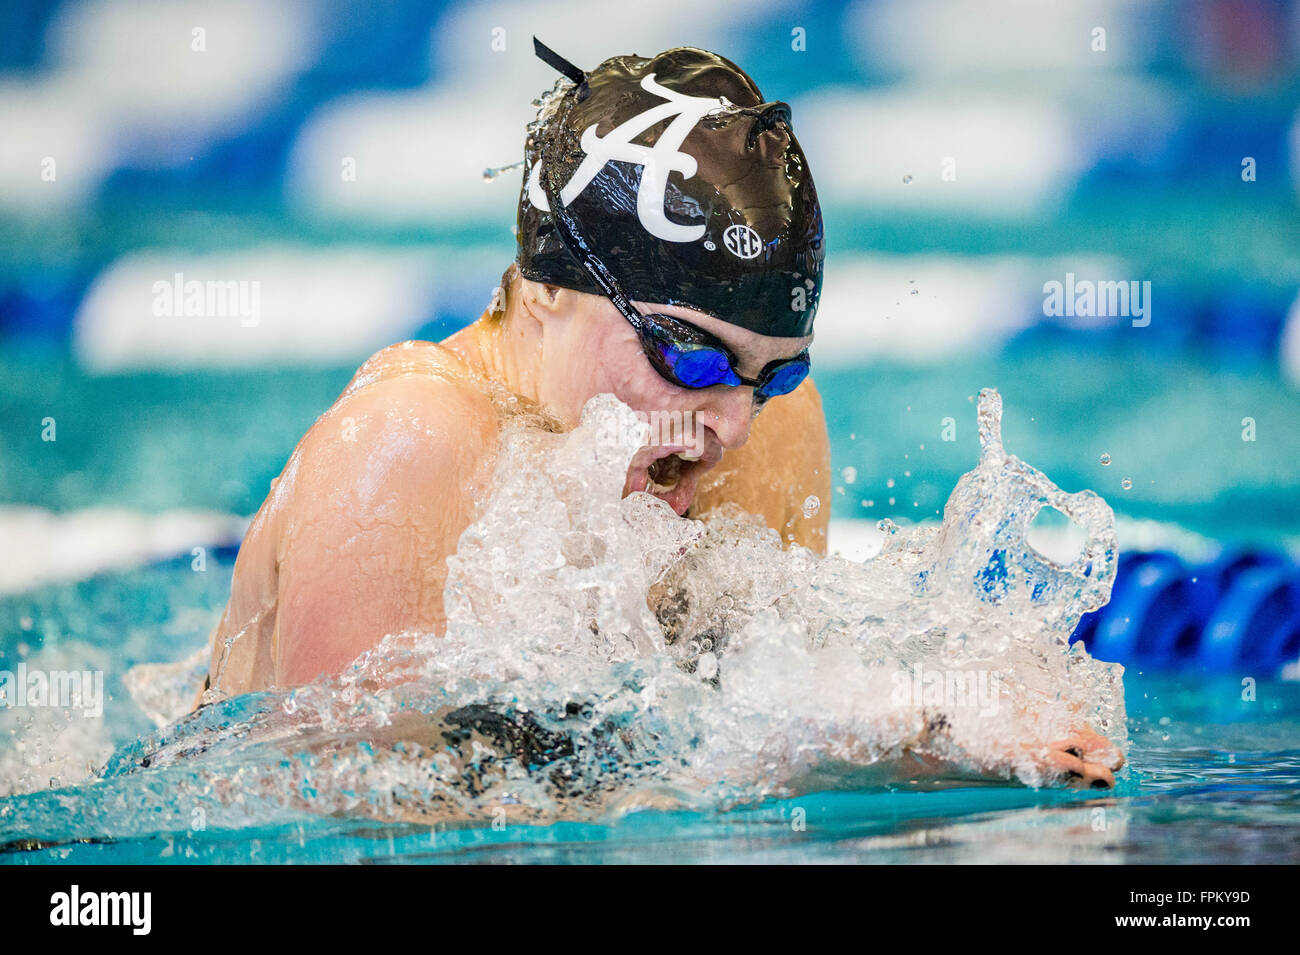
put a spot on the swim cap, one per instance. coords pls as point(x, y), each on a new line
point(683, 182)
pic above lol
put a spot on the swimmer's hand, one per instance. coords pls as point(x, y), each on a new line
point(1083, 759)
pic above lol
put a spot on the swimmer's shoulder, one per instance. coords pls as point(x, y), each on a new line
point(435, 361)
point(416, 389)
point(402, 438)
point(420, 372)
point(414, 358)
point(406, 411)
point(409, 442)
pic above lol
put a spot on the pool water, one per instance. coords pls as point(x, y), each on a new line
point(145, 440)
point(1214, 777)
point(117, 539)
point(1214, 774)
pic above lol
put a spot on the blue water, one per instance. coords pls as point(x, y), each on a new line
point(1213, 778)
point(1219, 790)
point(146, 441)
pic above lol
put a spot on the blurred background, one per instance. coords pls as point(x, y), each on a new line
point(326, 159)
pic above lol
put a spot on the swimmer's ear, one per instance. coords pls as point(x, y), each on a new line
point(539, 293)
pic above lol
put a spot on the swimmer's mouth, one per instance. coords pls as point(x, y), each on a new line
point(670, 474)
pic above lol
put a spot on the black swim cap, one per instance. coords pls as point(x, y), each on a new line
point(690, 189)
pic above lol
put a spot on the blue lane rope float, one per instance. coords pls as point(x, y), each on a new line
point(1239, 612)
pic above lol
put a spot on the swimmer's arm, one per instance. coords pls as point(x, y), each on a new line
point(386, 485)
point(1083, 759)
point(786, 459)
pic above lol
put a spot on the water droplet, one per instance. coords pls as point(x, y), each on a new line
point(907, 180)
point(1126, 484)
point(850, 474)
point(706, 667)
point(492, 172)
point(1105, 460)
point(811, 505)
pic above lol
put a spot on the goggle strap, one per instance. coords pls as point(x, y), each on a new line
point(557, 62)
point(573, 240)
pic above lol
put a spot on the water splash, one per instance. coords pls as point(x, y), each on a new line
point(544, 107)
point(603, 654)
point(491, 173)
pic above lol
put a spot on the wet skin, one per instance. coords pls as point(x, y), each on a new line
point(351, 543)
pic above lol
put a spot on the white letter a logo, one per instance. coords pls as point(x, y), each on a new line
point(657, 161)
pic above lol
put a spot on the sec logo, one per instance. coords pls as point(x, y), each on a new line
point(742, 241)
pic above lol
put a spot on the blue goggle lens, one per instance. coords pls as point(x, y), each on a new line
point(785, 379)
point(700, 367)
point(703, 367)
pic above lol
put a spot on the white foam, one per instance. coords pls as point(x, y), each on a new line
point(854, 539)
point(548, 599)
point(858, 539)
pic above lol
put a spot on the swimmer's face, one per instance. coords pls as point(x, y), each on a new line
point(595, 350)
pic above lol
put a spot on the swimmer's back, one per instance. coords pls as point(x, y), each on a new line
point(351, 542)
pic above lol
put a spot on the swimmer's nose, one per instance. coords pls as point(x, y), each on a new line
point(729, 413)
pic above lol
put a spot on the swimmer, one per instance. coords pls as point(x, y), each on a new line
point(670, 251)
